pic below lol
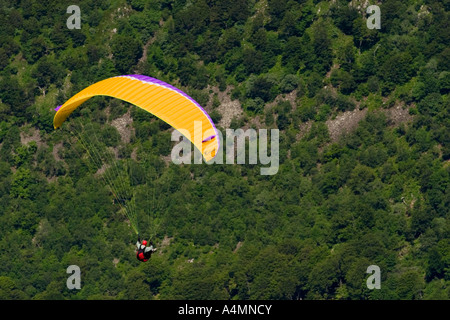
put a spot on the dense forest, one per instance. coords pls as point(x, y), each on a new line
point(364, 174)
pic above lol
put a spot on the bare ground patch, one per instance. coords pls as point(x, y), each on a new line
point(238, 245)
point(344, 123)
point(165, 243)
point(123, 124)
point(55, 152)
point(291, 97)
point(228, 108)
point(349, 120)
point(398, 114)
point(304, 128)
point(32, 135)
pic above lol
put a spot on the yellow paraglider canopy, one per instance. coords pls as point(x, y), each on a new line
point(160, 99)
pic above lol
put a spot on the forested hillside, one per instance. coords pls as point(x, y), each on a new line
point(364, 174)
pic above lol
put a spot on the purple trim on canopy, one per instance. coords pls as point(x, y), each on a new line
point(57, 108)
point(209, 138)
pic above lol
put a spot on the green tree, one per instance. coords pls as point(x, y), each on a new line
point(126, 52)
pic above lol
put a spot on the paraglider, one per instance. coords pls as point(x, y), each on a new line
point(164, 101)
point(144, 253)
point(157, 97)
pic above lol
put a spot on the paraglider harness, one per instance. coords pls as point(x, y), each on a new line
point(143, 256)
